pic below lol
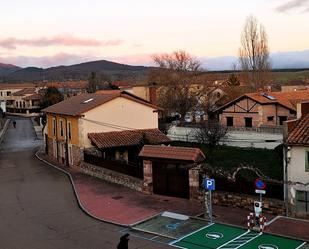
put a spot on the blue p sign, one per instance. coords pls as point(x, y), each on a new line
point(209, 184)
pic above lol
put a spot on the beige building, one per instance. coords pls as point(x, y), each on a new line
point(261, 109)
point(69, 122)
point(297, 163)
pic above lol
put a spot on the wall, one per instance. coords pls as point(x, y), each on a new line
point(111, 176)
point(270, 206)
point(296, 168)
point(74, 126)
point(119, 112)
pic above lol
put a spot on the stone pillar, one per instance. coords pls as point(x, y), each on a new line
point(194, 184)
point(148, 180)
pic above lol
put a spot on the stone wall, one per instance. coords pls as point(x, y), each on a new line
point(110, 176)
point(270, 206)
point(78, 155)
point(148, 179)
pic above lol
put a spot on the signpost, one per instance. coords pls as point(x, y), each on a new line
point(260, 187)
point(209, 184)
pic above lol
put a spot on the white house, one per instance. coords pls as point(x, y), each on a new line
point(296, 166)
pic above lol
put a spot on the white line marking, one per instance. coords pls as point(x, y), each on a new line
point(233, 239)
point(301, 245)
point(185, 236)
point(249, 240)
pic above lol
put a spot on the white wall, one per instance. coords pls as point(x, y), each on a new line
point(296, 169)
point(120, 111)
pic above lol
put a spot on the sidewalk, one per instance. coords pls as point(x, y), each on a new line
point(117, 204)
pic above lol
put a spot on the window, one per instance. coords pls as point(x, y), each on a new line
point(61, 128)
point(1, 93)
point(270, 118)
point(282, 119)
point(229, 121)
point(8, 93)
point(248, 122)
point(16, 103)
point(302, 201)
point(307, 161)
point(69, 130)
point(54, 126)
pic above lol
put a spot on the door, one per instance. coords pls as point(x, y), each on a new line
point(170, 180)
point(248, 122)
point(282, 119)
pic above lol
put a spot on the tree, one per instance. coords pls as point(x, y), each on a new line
point(233, 80)
point(210, 133)
point(92, 83)
point(175, 76)
point(50, 97)
point(254, 53)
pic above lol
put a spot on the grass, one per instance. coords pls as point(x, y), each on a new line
point(229, 158)
point(287, 76)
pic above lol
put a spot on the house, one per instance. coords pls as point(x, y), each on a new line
point(85, 121)
point(261, 109)
point(296, 166)
point(26, 101)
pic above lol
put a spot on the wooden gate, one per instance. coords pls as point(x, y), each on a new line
point(170, 180)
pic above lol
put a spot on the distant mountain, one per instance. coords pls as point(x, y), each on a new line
point(288, 60)
point(104, 69)
point(7, 69)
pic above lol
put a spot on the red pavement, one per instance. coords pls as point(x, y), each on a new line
point(118, 204)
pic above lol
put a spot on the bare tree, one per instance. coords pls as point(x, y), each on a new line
point(254, 53)
point(210, 133)
point(175, 75)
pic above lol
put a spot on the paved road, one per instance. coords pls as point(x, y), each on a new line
point(38, 209)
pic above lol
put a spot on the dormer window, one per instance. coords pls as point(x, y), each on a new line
point(87, 101)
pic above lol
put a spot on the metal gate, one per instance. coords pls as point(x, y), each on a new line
point(170, 180)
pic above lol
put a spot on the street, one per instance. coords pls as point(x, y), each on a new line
point(38, 208)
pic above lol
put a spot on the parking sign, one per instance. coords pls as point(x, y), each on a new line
point(209, 184)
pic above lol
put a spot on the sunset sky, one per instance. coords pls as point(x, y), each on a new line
point(48, 33)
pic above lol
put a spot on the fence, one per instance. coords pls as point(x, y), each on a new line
point(131, 169)
point(243, 186)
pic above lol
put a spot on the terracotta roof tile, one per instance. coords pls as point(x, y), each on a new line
point(171, 152)
point(127, 138)
point(24, 92)
point(79, 104)
point(287, 99)
point(300, 133)
point(35, 96)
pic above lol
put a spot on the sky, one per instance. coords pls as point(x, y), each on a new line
point(62, 32)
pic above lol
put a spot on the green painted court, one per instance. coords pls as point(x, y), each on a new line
point(218, 236)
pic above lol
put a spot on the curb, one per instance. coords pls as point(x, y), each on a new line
point(4, 129)
point(76, 194)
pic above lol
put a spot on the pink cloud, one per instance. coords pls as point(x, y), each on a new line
point(47, 61)
point(293, 4)
point(64, 40)
point(136, 59)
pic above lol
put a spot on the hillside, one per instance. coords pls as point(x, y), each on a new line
point(104, 70)
point(7, 69)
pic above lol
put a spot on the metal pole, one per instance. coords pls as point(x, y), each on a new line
point(210, 207)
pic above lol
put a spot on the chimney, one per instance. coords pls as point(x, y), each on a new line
point(153, 93)
point(302, 109)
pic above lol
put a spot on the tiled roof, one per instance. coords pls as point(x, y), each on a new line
point(79, 104)
point(171, 152)
point(287, 99)
point(300, 133)
point(127, 138)
point(24, 92)
point(35, 96)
